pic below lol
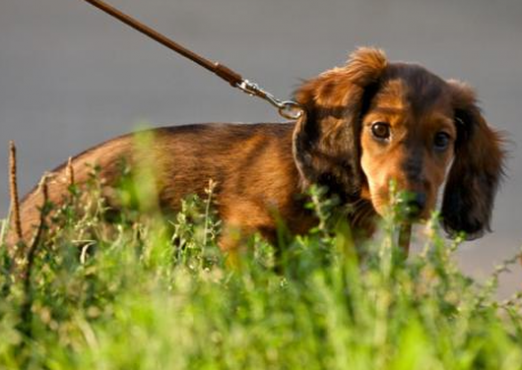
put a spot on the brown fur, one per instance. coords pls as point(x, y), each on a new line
point(262, 170)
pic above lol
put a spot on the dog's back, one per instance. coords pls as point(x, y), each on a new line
point(251, 164)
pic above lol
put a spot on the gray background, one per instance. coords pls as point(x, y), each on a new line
point(71, 76)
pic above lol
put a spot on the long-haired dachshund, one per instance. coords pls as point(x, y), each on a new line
point(367, 123)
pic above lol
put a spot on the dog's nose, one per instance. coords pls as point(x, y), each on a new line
point(415, 204)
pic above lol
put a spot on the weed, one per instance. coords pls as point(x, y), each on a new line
point(144, 291)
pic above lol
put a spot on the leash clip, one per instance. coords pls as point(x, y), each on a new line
point(288, 109)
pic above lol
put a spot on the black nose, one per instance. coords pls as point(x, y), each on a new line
point(415, 204)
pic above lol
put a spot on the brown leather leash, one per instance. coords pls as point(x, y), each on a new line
point(287, 109)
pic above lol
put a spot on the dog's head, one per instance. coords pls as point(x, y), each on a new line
point(371, 123)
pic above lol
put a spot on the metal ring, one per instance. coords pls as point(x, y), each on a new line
point(290, 110)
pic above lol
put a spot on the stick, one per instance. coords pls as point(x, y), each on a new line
point(13, 182)
point(25, 325)
point(31, 253)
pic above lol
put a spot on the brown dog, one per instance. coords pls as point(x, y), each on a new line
point(366, 123)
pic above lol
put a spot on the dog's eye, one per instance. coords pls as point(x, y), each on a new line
point(441, 140)
point(381, 130)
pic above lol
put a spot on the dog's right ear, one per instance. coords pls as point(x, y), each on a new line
point(326, 137)
point(477, 169)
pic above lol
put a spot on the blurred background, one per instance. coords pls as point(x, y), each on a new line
point(71, 76)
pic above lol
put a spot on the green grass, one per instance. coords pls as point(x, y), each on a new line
point(151, 293)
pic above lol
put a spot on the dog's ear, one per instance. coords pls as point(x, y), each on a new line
point(326, 138)
point(476, 170)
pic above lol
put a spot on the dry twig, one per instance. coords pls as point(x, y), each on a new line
point(13, 183)
point(31, 252)
point(25, 325)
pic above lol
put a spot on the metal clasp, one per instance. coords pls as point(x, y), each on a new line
point(288, 109)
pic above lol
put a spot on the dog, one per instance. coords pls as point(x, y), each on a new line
point(365, 124)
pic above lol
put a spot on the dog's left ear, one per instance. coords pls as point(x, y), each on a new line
point(476, 171)
point(326, 138)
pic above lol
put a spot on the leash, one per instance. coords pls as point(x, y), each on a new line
point(287, 108)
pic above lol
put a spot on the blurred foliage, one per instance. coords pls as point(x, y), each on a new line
point(140, 290)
